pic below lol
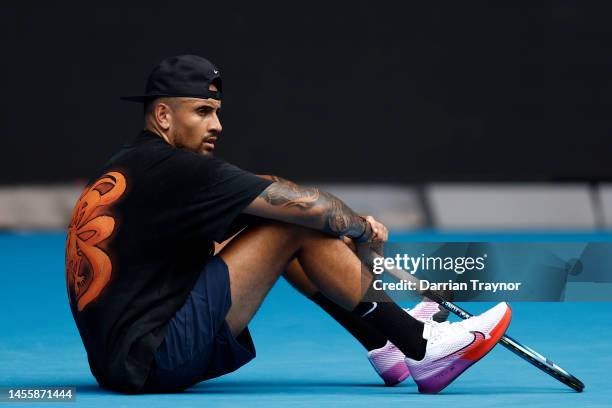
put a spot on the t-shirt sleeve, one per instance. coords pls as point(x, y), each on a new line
point(219, 193)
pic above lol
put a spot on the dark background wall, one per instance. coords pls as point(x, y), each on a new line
point(378, 91)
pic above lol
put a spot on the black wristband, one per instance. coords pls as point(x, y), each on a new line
point(366, 234)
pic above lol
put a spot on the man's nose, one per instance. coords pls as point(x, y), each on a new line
point(215, 125)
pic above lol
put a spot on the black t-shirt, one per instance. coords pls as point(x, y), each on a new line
point(139, 236)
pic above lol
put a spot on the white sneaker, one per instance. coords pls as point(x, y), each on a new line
point(388, 361)
point(454, 347)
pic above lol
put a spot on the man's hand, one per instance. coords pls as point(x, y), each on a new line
point(380, 233)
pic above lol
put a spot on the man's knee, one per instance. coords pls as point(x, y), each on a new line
point(271, 236)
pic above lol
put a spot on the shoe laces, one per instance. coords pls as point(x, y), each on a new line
point(437, 331)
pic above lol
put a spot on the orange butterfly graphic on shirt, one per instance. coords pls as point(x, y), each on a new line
point(88, 267)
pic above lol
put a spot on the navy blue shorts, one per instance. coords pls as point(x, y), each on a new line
point(198, 344)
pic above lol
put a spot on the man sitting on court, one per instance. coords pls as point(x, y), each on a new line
point(159, 311)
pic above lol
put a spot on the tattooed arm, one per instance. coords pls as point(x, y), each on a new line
point(286, 201)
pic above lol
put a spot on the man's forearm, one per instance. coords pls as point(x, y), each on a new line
point(320, 209)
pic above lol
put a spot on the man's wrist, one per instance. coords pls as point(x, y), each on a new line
point(366, 235)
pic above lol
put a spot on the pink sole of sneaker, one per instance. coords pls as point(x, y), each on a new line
point(396, 374)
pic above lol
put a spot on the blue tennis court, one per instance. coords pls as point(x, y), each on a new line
point(304, 357)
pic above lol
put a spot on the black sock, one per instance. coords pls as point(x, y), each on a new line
point(399, 327)
point(367, 335)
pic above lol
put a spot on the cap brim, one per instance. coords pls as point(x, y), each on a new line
point(145, 98)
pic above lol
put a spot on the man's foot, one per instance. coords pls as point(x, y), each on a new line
point(453, 347)
point(388, 361)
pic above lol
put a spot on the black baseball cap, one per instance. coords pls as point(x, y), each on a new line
point(181, 75)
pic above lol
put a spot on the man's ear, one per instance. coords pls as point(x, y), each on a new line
point(162, 113)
